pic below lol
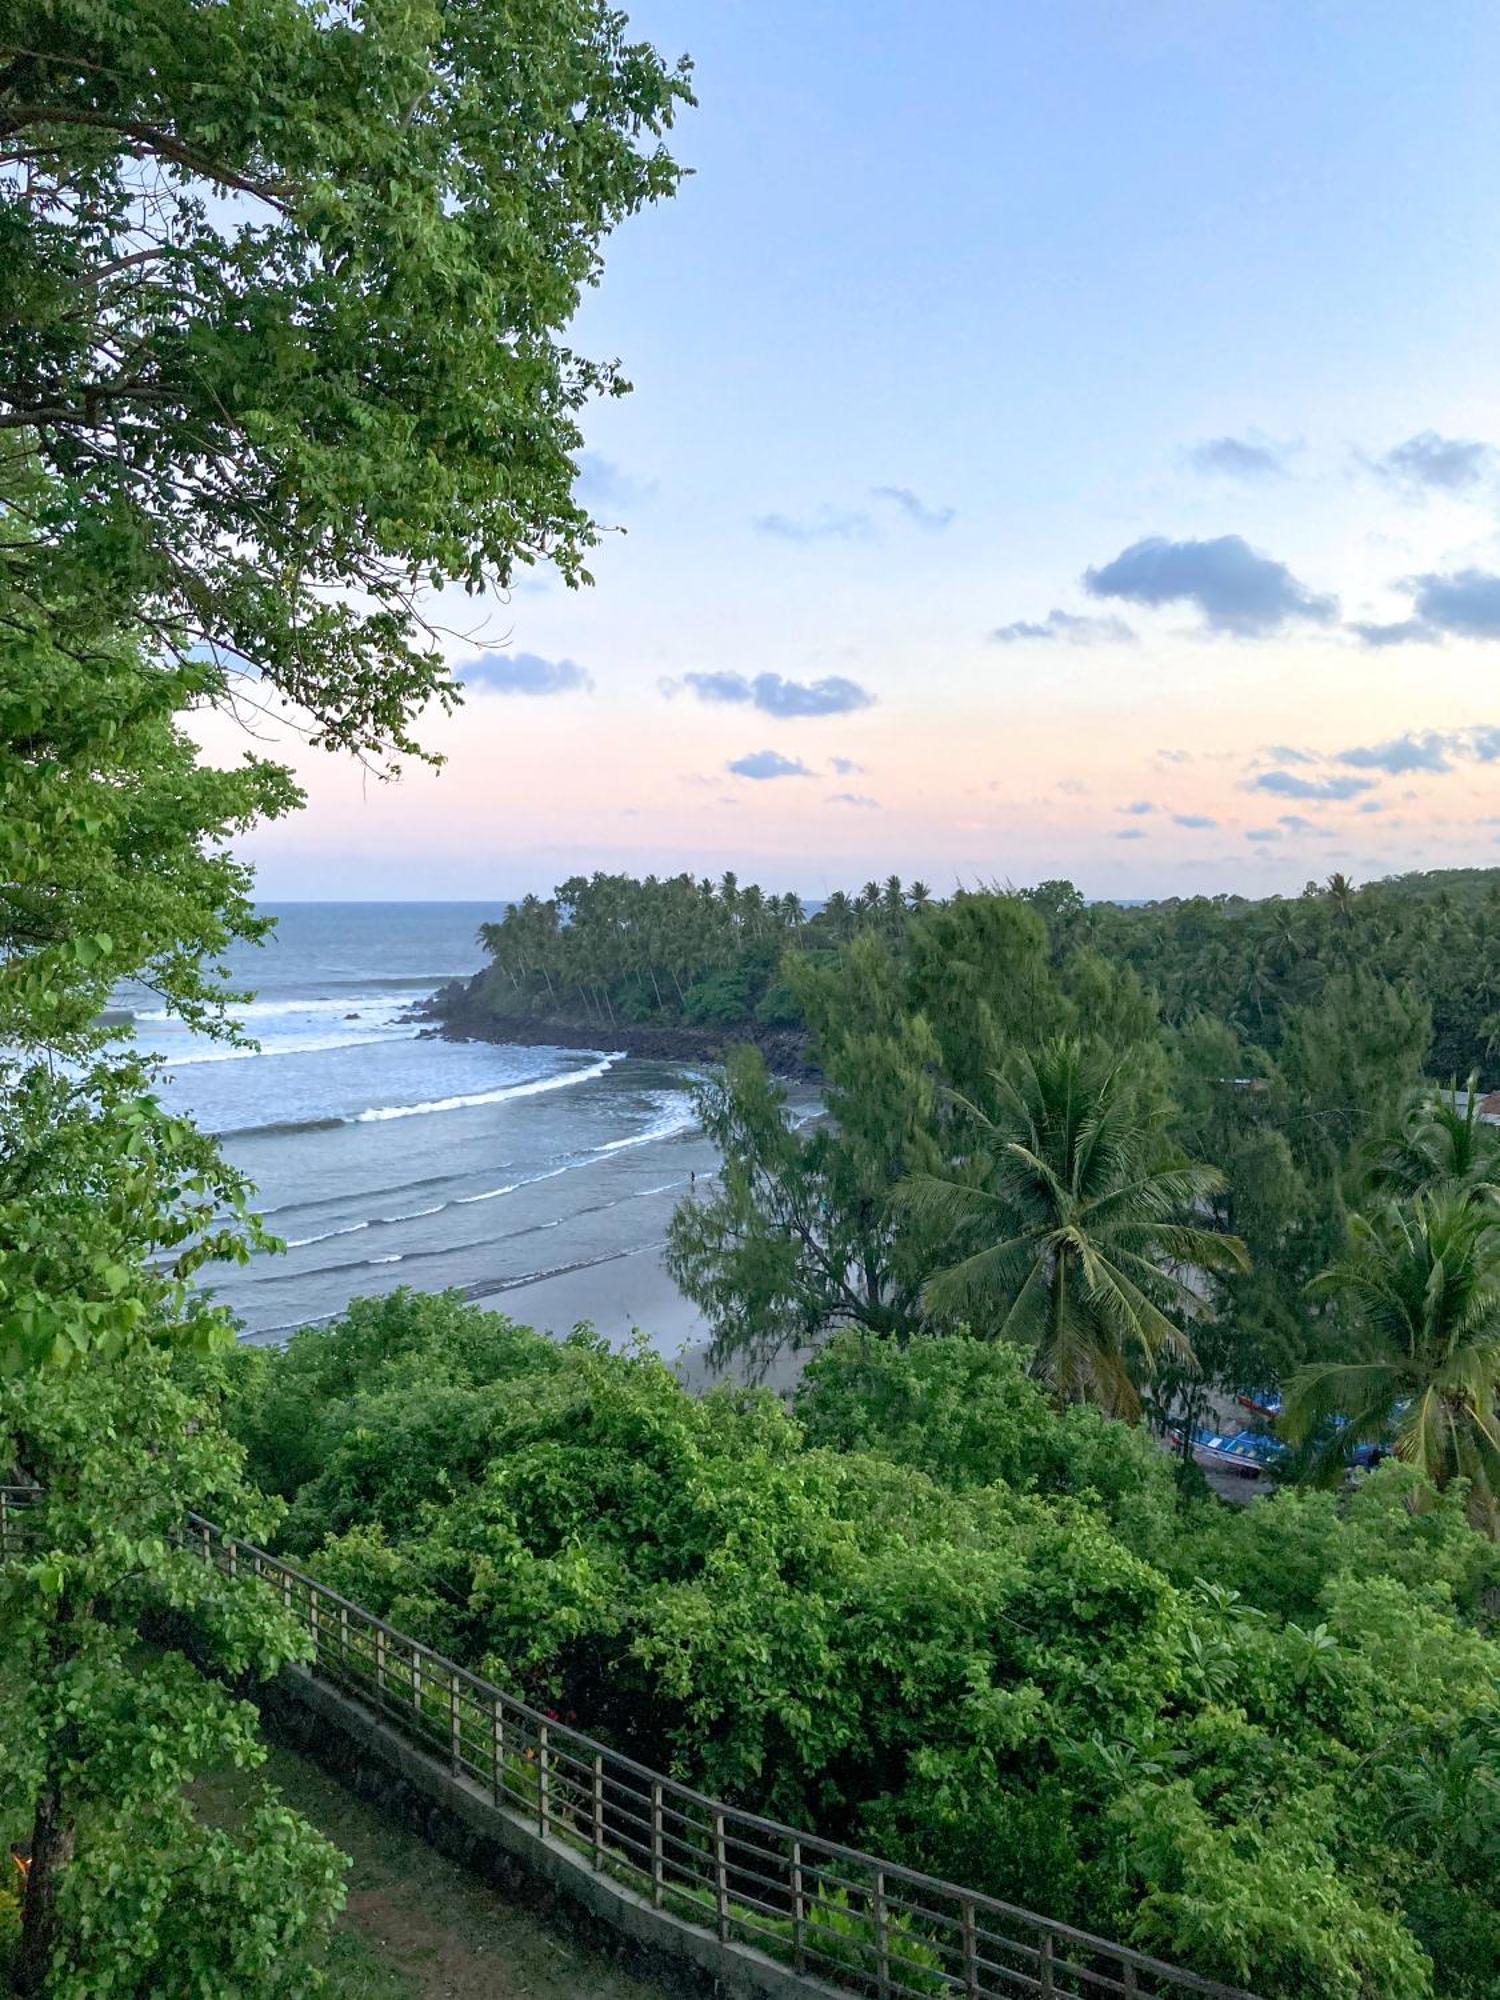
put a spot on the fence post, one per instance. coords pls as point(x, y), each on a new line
point(499, 1731)
point(598, 1810)
point(658, 1859)
point(1046, 1965)
point(416, 1683)
point(233, 1553)
point(799, 1911)
point(971, 1951)
point(1130, 1985)
point(721, 1879)
point(455, 1725)
point(380, 1659)
point(207, 1550)
point(543, 1780)
point(4, 1522)
point(882, 1941)
point(344, 1637)
point(314, 1624)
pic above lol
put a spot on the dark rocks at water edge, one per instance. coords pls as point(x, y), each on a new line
point(463, 1012)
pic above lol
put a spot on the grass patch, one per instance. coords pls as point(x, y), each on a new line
point(417, 1926)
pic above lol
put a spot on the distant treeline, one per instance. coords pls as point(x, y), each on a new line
point(609, 950)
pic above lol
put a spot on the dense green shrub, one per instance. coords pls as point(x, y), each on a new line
point(929, 1614)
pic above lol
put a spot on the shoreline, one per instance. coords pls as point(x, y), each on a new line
point(630, 1294)
point(455, 1013)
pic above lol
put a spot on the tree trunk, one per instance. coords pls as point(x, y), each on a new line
point(51, 1851)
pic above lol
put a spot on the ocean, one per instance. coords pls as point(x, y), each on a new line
point(385, 1156)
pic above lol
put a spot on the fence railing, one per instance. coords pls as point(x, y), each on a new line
point(840, 1918)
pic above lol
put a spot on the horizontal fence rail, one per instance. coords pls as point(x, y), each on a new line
point(840, 1918)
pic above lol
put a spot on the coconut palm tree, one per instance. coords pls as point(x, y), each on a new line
point(1076, 1229)
point(1441, 1141)
point(1421, 1283)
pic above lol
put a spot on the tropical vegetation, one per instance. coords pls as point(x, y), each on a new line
point(933, 1612)
point(284, 341)
point(1075, 1235)
point(1421, 1284)
point(604, 951)
point(286, 350)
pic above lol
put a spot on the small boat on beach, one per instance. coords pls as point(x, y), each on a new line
point(1248, 1454)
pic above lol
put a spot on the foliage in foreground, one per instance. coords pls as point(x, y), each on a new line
point(283, 346)
point(932, 1615)
point(103, 1732)
point(287, 291)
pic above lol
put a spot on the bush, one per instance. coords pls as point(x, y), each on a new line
point(928, 1614)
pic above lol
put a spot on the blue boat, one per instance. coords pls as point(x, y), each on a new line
point(1248, 1454)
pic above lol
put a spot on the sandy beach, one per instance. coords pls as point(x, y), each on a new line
point(617, 1296)
point(628, 1294)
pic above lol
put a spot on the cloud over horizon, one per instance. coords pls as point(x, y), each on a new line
point(1296, 823)
point(1432, 750)
point(1432, 463)
point(524, 673)
point(825, 526)
point(854, 799)
point(1465, 603)
point(934, 519)
point(762, 764)
point(1286, 785)
point(1398, 632)
point(1066, 625)
point(1459, 604)
point(1427, 752)
point(1237, 590)
point(834, 694)
point(1237, 458)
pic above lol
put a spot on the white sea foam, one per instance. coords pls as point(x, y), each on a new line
point(299, 1045)
point(674, 1114)
point(534, 1087)
point(335, 1003)
point(510, 1187)
point(348, 1229)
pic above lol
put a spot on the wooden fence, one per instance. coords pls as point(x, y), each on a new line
point(839, 1918)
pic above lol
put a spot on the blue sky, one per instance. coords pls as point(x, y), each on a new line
point(1156, 339)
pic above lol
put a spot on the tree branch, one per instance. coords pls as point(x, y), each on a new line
point(153, 140)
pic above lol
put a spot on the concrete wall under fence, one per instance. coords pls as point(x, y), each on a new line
point(459, 1818)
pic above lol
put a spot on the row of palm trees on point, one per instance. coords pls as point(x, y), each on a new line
point(598, 934)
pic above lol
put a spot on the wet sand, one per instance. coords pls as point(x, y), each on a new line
point(629, 1294)
point(617, 1296)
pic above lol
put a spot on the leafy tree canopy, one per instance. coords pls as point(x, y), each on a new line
point(116, 867)
point(284, 318)
point(934, 1616)
point(127, 1892)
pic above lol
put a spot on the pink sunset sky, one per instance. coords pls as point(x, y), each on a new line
point(1057, 448)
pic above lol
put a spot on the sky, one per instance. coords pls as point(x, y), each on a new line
point(1060, 445)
